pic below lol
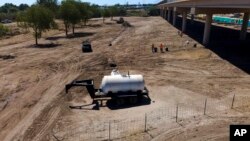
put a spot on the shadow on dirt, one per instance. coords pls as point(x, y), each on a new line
point(70, 36)
point(111, 104)
point(110, 23)
point(6, 57)
point(93, 25)
point(48, 45)
point(224, 42)
point(91, 106)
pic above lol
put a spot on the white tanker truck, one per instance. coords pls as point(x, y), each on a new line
point(116, 86)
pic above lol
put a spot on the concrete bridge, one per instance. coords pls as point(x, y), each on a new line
point(170, 8)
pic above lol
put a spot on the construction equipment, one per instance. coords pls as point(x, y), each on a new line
point(86, 46)
point(118, 87)
point(120, 21)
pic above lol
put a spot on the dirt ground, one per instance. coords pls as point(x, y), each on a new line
point(33, 100)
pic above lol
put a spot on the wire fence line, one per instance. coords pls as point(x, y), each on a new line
point(154, 120)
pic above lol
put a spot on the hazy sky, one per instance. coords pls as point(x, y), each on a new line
point(100, 2)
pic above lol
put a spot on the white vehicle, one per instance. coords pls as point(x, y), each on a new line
point(115, 86)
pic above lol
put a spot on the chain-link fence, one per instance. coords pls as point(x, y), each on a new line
point(149, 121)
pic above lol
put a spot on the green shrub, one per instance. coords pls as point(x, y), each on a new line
point(3, 30)
point(153, 11)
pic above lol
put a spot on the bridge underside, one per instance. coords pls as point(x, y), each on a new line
point(170, 8)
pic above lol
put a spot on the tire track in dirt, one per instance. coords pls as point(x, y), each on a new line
point(51, 119)
point(73, 65)
point(53, 68)
point(60, 80)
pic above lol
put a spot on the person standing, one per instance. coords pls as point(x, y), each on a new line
point(153, 48)
point(161, 47)
point(166, 47)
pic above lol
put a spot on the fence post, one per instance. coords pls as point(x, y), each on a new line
point(205, 107)
point(176, 113)
point(109, 131)
point(232, 106)
point(145, 128)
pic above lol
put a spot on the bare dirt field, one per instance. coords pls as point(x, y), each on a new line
point(34, 105)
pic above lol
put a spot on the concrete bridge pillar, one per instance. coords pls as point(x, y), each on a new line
point(184, 21)
point(162, 13)
point(243, 32)
point(174, 17)
point(165, 14)
point(169, 14)
point(207, 30)
point(192, 19)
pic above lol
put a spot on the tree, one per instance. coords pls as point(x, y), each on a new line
point(153, 11)
point(3, 16)
point(9, 10)
point(96, 11)
point(21, 17)
point(113, 11)
point(89, 14)
point(39, 18)
point(50, 4)
point(105, 13)
point(85, 11)
point(122, 11)
point(23, 7)
point(70, 14)
point(7, 7)
point(3, 30)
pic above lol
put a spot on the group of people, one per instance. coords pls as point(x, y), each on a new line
point(154, 49)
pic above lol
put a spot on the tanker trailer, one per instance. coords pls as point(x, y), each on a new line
point(119, 87)
point(117, 83)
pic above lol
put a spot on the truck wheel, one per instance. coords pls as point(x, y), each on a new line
point(139, 98)
point(133, 100)
point(120, 101)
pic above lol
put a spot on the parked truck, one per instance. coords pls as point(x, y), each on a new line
point(119, 87)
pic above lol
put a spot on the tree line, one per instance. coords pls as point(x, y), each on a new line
point(9, 10)
point(41, 15)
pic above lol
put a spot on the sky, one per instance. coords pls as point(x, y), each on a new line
point(99, 2)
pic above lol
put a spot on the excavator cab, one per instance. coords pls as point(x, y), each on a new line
point(86, 46)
